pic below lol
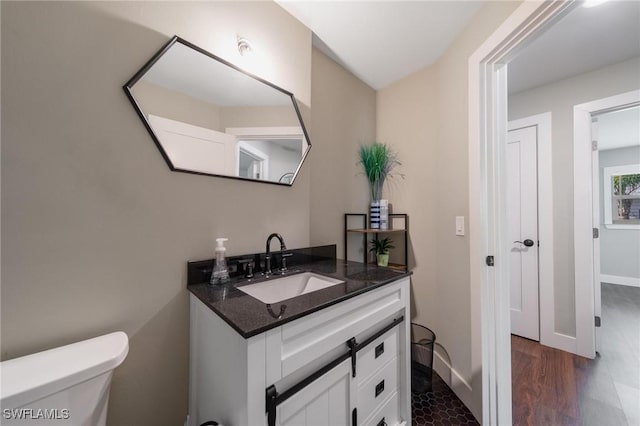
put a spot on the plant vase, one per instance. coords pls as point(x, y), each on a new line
point(374, 215)
point(383, 259)
point(384, 214)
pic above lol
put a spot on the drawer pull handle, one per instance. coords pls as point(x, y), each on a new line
point(379, 349)
point(379, 388)
point(382, 422)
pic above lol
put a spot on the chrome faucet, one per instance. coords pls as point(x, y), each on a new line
point(267, 256)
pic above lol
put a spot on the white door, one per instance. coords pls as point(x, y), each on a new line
point(522, 197)
point(196, 148)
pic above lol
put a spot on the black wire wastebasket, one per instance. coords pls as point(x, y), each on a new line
point(422, 344)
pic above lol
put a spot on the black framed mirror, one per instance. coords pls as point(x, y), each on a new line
point(209, 117)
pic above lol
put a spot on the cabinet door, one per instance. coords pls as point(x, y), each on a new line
point(324, 402)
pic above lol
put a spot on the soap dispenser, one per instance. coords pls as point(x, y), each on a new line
point(220, 273)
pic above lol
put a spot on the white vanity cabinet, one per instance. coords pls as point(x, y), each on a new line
point(305, 372)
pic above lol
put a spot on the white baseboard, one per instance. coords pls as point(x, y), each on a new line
point(615, 279)
point(455, 381)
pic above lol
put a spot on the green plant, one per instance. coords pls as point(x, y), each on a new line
point(381, 246)
point(378, 161)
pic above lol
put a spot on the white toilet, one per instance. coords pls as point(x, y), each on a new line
point(68, 385)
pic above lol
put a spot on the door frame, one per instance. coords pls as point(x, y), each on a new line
point(546, 296)
point(595, 209)
point(252, 151)
point(583, 220)
point(487, 85)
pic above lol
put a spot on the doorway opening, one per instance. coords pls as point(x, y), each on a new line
point(587, 226)
point(616, 214)
point(615, 135)
point(489, 244)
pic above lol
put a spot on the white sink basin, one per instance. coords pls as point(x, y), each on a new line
point(277, 289)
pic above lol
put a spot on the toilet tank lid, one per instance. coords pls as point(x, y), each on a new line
point(35, 376)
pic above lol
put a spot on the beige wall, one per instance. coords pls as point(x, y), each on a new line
point(270, 116)
point(405, 120)
point(426, 117)
point(559, 98)
point(343, 118)
point(162, 102)
point(95, 228)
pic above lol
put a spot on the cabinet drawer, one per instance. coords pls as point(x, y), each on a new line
point(377, 354)
point(303, 341)
point(387, 415)
point(373, 392)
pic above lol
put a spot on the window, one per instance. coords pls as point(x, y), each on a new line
point(622, 196)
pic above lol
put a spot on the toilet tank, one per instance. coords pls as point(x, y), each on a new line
point(68, 385)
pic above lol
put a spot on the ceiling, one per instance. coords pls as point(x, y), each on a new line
point(584, 40)
point(381, 42)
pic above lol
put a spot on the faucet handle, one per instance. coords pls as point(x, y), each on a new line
point(283, 267)
point(247, 267)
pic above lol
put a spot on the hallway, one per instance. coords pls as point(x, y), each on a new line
point(552, 387)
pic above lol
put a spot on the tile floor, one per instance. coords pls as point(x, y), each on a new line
point(440, 407)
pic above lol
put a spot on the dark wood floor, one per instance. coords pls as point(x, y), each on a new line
point(552, 387)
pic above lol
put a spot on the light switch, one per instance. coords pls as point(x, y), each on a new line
point(459, 225)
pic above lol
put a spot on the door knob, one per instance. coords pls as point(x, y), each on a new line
point(527, 242)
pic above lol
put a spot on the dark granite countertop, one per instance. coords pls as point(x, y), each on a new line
point(249, 316)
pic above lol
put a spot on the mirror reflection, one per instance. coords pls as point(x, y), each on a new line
point(208, 117)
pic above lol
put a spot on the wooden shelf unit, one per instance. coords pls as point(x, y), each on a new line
point(393, 218)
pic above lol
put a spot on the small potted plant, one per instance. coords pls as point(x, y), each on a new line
point(381, 249)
